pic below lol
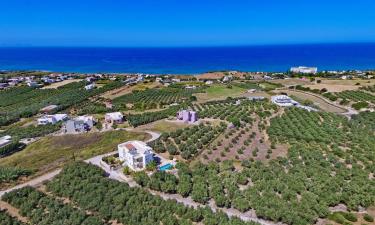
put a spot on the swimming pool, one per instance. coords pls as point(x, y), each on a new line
point(166, 167)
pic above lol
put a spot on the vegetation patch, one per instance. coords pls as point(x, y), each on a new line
point(87, 187)
point(43, 209)
point(189, 141)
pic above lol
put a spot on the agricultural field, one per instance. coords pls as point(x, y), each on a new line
point(127, 89)
point(356, 96)
point(5, 218)
point(51, 152)
point(154, 98)
point(81, 194)
point(324, 167)
point(41, 208)
point(234, 110)
point(138, 119)
point(8, 175)
point(365, 119)
point(247, 138)
point(188, 142)
point(219, 92)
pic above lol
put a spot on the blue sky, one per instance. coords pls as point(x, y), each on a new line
point(184, 23)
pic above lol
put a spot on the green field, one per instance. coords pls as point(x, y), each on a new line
point(220, 91)
point(51, 152)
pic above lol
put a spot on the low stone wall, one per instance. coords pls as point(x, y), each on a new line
point(109, 167)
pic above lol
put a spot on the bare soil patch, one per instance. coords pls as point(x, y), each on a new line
point(14, 212)
point(292, 81)
point(126, 89)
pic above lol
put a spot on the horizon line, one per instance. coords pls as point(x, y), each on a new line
point(188, 46)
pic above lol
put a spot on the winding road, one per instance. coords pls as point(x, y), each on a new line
point(117, 175)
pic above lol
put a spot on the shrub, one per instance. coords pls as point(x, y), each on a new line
point(368, 218)
point(360, 105)
point(350, 216)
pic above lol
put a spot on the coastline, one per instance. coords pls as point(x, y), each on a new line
point(188, 60)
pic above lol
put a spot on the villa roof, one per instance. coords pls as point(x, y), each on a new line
point(129, 146)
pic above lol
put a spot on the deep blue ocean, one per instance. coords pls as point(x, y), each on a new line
point(189, 60)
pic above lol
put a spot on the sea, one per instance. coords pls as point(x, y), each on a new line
point(189, 60)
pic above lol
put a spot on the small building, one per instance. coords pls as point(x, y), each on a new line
point(5, 140)
point(32, 84)
point(90, 86)
point(115, 117)
point(304, 70)
point(187, 116)
point(192, 87)
point(52, 119)
point(79, 124)
point(135, 154)
point(209, 82)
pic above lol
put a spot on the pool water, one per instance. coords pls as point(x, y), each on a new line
point(166, 167)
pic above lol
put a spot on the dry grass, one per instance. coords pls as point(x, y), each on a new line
point(112, 94)
point(333, 87)
point(219, 92)
point(51, 152)
point(163, 126)
point(347, 82)
point(59, 84)
point(339, 85)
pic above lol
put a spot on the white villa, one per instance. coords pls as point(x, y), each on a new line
point(135, 154)
point(283, 100)
point(115, 117)
point(52, 119)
